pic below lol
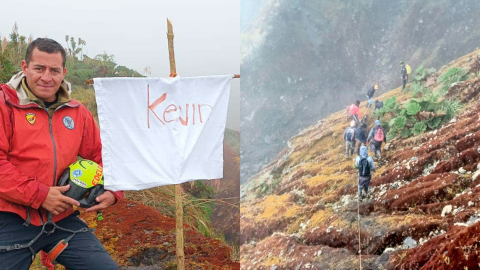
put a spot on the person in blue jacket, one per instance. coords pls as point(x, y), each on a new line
point(365, 166)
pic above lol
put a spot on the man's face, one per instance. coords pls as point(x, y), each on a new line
point(44, 74)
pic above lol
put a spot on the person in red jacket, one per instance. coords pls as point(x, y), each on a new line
point(43, 131)
point(354, 111)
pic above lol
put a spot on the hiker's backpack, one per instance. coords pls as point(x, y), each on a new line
point(350, 134)
point(379, 135)
point(409, 69)
point(364, 167)
point(361, 134)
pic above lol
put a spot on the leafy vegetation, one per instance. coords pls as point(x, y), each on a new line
point(418, 114)
point(453, 75)
point(421, 73)
point(417, 90)
point(11, 54)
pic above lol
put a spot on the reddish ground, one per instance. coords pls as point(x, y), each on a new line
point(136, 235)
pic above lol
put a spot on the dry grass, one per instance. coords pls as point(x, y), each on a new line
point(319, 219)
point(196, 211)
point(278, 207)
point(295, 225)
point(269, 261)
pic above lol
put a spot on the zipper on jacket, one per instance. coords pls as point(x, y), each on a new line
point(50, 129)
point(53, 141)
point(54, 149)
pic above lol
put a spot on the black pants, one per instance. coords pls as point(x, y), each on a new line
point(84, 250)
point(404, 81)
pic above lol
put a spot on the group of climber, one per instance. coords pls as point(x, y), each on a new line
point(356, 135)
point(363, 161)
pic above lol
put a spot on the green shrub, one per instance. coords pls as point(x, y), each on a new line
point(413, 107)
point(390, 104)
point(405, 119)
point(453, 75)
point(421, 73)
point(418, 128)
point(451, 108)
point(405, 133)
point(400, 122)
point(434, 122)
point(417, 90)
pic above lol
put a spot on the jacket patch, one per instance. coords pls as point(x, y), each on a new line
point(31, 118)
point(68, 122)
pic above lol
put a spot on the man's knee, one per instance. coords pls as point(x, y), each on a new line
point(86, 255)
point(84, 251)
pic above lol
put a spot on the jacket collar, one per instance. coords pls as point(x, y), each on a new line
point(25, 96)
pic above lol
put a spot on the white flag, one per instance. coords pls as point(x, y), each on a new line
point(161, 131)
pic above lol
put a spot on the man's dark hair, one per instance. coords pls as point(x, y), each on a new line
point(45, 45)
point(358, 102)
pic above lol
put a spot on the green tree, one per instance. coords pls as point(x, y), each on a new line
point(67, 38)
point(82, 43)
point(107, 65)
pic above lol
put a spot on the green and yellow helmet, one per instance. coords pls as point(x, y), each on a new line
point(86, 182)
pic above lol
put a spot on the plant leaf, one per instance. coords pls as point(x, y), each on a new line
point(413, 108)
point(400, 121)
point(405, 133)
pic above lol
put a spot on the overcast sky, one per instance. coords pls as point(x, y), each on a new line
point(206, 33)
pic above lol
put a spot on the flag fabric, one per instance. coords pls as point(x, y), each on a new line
point(161, 131)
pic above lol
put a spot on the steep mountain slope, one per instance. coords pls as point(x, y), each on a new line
point(302, 212)
point(303, 60)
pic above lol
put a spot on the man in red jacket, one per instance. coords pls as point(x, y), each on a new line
point(43, 131)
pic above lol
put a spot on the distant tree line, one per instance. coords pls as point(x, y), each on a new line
point(80, 67)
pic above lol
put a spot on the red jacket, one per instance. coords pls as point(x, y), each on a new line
point(35, 149)
point(354, 110)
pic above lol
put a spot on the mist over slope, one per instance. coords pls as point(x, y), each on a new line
point(302, 60)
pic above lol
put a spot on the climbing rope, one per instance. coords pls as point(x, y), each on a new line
point(359, 242)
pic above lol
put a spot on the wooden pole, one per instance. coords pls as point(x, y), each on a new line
point(178, 188)
point(179, 227)
point(171, 52)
